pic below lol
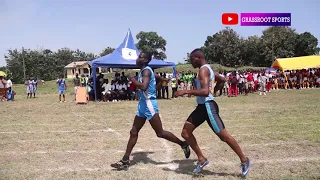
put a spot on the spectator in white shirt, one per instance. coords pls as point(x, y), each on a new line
point(9, 83)
point(106, 93)
point(122, 90)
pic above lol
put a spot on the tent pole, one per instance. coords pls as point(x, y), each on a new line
point(94, 82)
point(174, 72)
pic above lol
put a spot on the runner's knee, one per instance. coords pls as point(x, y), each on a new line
point(160, 134)
point(224, 137)
point(185, 134)
point(133, 133)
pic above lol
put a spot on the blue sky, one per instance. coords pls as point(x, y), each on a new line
point(92, 25)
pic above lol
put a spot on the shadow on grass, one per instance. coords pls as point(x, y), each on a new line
point(185, 166)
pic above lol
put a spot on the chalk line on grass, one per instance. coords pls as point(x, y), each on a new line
point(62, 131)
point(108, 129)
point(220, 163)
point(168, 156)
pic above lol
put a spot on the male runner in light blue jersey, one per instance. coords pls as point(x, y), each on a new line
point(207, 110)
point(147, 110)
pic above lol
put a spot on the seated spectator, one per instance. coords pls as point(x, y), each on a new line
point(114, 91)
point(123, 78)
point(131, 91)
point(106, 93)
point(318, 82)
point(10, 94)
point(122, 90)
point(311, 80)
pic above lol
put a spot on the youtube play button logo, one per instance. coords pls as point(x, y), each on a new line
point(230, 19)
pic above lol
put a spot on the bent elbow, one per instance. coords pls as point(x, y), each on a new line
point(206, 92)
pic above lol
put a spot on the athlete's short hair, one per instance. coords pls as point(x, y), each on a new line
point(198, 53)
point(148, 55)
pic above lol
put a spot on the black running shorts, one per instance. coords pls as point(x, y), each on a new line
point(207, 112)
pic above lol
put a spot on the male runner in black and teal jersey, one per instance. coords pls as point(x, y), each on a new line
point(207, 110)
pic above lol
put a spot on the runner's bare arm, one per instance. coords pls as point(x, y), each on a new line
point(219, 82)
point(146, 74)
point(204, 81)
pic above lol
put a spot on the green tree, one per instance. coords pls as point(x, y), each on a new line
point(224, 48)
point(278, 42)
point(44, 64)
point(152, 42)
point(306, 44)
point(3, 68)
point(251, 51)
point(107, 51)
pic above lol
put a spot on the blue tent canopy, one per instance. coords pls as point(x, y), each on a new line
point(124, 57)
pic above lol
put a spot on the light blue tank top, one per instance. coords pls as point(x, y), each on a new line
point(202, 99)
point(151, 92)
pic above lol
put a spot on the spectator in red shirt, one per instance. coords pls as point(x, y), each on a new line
point(234, 84)
point(250, 82)
point(132, 91)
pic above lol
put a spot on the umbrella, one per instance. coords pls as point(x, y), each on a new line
point(3, 74)
point(271, 70)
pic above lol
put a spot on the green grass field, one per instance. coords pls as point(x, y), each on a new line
point(43, 139)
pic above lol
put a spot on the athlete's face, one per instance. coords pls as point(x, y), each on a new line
point(141, 59)
point(194, 61)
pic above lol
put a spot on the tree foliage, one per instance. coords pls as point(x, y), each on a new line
point(44, 63)
point(152, 42)
point(226, 47)
point(3, 68)
point(306, 44)
point(107, 51)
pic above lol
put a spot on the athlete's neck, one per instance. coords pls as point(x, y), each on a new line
point(143, 66)
point(202, 63)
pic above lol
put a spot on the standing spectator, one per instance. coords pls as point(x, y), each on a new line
point(234, 85)
point(90, 89)
point(76, 84)
point(255, 80)
point(263, 79)
point(62, 86)
point(34, 83)
point(226, 84)
point(173, 85)
point(269, 81)
point(87, 79)
point(137, 91)
point(250, 82)
point(246, 84)
point(9, 83)
point(29, 87)
point(241, 83)
point(164, 87)
point(299, 80)
point(83, 80)
point(159, 89)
